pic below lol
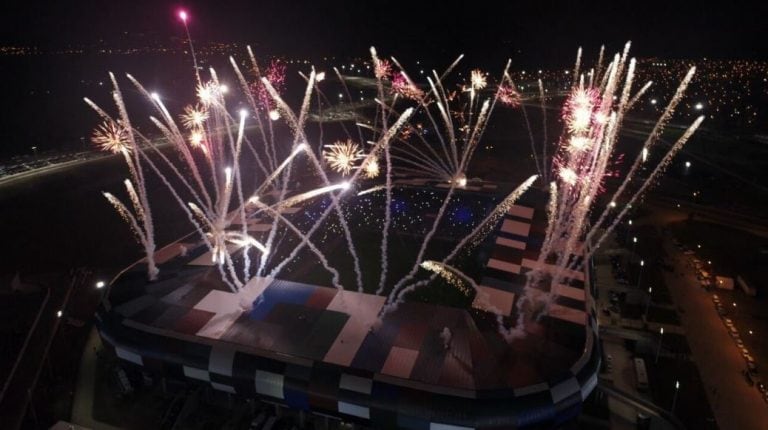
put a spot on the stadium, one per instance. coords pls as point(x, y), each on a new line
point(334, 353)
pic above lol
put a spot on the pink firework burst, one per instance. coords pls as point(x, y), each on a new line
point(581, 110)
point(400, 85)
point(275, 74)
point(508, 96)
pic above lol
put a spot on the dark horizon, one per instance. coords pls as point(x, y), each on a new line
point(544, 32)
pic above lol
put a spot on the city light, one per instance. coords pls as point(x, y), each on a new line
point(100, 284)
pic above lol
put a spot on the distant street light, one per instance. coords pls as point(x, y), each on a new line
point(58, 314)
point(658, 350)
point(687, 164)
point(100, 284)
point(674, 399)
point(640, 275)
point(648, 304)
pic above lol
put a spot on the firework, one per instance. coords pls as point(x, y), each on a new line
point(440, 146)
point(382, 69)
point(508, 96)
point(402, 86)
point(448, 274)
point(478, 80)
point(194, 117)
point(110, 136)
point(342, 156)
point(371, 168)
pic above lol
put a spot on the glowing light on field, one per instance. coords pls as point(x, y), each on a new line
point(292, 201)
point(447, 274)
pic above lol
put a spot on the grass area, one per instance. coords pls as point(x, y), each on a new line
point(413, 213)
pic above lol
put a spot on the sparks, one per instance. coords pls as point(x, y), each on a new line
point(508, 96)
point(383, 69)
point(371, 168)
point(568, 176)
point(194, 116)
point(478, 80)
point(401, 86)
point(341, 156)
point(112, 137)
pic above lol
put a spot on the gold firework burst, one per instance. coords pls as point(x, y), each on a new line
point(371, 168)
point(478, 80)
point(194, 116)
point(111, 136)
point(341, 156)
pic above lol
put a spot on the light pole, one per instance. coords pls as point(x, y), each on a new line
point(648, 304)
point(634, 244)
point(735, 310)
point(640, 275)
point(674, 399)
point(658, 350)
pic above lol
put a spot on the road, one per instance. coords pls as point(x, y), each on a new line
point(736, 405)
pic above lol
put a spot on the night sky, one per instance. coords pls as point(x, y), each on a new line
point(539, 31)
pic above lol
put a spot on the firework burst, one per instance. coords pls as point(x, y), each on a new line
point(402, 86)
point(371, 168)
point(478, 80)
point(194, 116)
point(111, 136)
point(341, 156)
point(508, 96)
point(382, 69)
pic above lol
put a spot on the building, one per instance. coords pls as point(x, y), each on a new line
point(312, 348)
